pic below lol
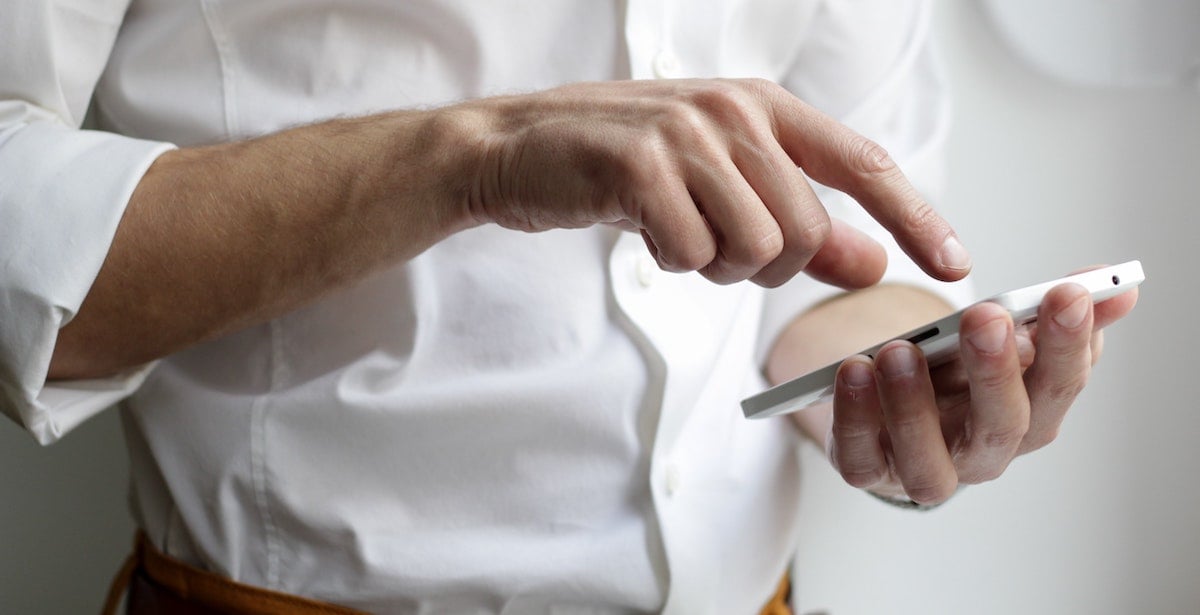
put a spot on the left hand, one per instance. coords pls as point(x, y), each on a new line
point(901, 429)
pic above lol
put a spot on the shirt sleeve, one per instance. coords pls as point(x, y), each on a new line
point(62, 194)
point(872, 66)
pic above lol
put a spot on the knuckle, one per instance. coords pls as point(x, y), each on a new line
point(862, 478)
point(719, 276)
point(685, 119)
point(765, 87)
point(931, 491)
point(728, 103)
point(907, 421)
point(996, 379)
point(982, 475)
point(721, 271)
point(774, 276)
point(1062, 391)
point(919, 217)
point(811, 234)
point(850, 431)
point(768, 248)
point(717, 93)
point(691, 257)
point(757, 252)
point(867, 157)
point(854, 464)
point(1008, 438)
point(1040, 439)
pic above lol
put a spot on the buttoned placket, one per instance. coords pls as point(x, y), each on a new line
point(652, 54)
point(644, 301)
point(662, 313)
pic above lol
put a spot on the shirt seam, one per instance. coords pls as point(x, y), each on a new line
point(258, 446)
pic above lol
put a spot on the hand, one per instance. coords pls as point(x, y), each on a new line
point(900, 429)
point(707, 171)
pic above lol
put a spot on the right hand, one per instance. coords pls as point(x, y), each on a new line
point(707, 171)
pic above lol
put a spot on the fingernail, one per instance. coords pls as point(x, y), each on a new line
point(1073, 315)
point(897, 362)
point(990, 338)
point(954, 254)
point(857, 375)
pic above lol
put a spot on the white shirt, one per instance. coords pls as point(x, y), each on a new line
point(509, 423)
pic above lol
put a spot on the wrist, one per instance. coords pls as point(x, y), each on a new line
point(491, 130)
point(428, 160)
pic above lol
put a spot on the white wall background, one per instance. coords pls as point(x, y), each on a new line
point(1047, 178)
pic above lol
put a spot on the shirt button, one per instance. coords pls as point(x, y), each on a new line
point(673, 479)
point(666, 65)
point(645, 270)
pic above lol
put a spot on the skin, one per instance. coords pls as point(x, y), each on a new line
point(708, 171)
point(218, 238)
point(899, 429)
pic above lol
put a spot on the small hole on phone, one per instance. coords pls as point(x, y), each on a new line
point(924, 335)
point(1116, 280)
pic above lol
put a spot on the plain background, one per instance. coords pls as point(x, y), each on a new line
point(1045, 178)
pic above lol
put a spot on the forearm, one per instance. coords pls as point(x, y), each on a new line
point(221, 237)
point(842, 326)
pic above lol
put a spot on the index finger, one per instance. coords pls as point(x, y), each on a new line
point(840, 158)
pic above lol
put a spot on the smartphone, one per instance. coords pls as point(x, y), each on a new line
point(939, 339)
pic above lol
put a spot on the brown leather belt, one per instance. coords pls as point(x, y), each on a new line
point(780, 603)
point(159, 584)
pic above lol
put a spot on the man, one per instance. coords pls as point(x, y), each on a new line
point(354, 375)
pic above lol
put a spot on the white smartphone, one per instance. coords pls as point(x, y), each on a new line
point(939, 339)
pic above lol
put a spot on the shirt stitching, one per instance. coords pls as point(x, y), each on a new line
point(258, 432)
point(258, 446)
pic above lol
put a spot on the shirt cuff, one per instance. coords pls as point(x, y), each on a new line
point(67, 404)
point(62, 195)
